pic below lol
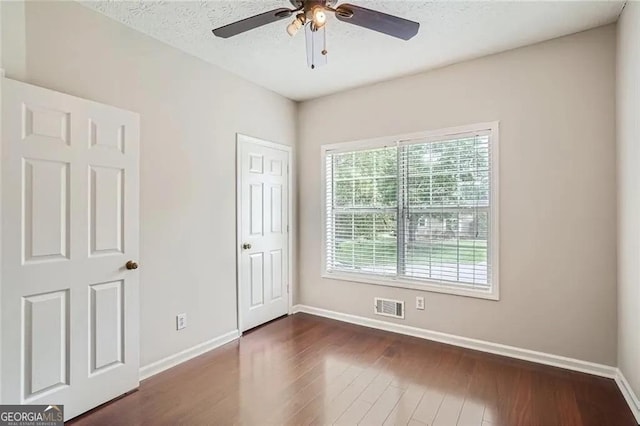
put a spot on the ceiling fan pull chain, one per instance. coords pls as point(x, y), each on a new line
point(324, 47)
point(313, 48)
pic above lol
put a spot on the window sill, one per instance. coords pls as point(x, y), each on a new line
point(435, 287)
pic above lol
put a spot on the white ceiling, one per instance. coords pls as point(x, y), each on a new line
point(449, 32)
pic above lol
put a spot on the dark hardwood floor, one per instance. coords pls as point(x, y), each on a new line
point(309, 370)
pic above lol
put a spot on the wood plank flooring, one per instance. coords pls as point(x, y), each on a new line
point(307, 370)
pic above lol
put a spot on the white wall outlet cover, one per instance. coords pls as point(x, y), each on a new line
point(420, 302)
point(181, 321)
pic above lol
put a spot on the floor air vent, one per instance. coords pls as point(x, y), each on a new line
point(389, 308)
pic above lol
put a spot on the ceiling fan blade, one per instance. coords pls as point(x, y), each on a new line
point(315, 46)
point(377, 21)
point(256, 21)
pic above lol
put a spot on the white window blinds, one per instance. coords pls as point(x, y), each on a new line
point(417, 211)
point(362, 219)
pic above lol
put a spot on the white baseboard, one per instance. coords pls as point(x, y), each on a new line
point(629, 395)
point(465, 342)
point(185, 355)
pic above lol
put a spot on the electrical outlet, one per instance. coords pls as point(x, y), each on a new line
point(181, 321)
point(420, 303)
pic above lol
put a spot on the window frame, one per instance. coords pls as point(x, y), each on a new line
point(459, 289)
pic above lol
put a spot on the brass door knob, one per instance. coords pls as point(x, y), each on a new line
point(131, 265)
point(246, 246)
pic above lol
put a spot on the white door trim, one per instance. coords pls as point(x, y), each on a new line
point(2, 78)
point(242, 139)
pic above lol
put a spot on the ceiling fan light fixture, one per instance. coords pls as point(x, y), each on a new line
point(318, 17)
point(294, 27)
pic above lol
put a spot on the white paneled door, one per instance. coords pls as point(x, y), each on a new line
point(263, 231)
point(69, 288)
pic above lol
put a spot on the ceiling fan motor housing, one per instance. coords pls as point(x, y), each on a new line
point(309, 4)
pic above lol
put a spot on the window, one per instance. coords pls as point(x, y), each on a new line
point(417, 212)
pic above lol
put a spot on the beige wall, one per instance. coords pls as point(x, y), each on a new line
point(556, 104)
point(628, 109)
point(190, 112)
point(12, 39)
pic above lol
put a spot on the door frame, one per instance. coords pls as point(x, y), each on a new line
point(241, 140)
point(2, 78)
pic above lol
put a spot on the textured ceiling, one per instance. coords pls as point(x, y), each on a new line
point(450, 32)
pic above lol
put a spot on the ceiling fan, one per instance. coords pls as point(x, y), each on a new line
point(312, 15)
